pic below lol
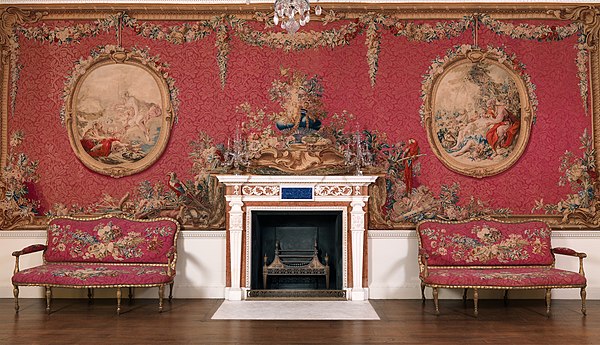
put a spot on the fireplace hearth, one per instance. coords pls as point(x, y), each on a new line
point(296, 250)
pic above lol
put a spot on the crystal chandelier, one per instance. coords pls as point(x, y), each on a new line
point(293, 14)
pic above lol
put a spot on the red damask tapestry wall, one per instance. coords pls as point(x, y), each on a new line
point(390, 105)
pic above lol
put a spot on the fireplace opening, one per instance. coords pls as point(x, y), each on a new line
point(297, 238)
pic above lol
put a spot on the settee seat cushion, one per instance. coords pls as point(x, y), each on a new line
point(73, 274)
point(517, 277)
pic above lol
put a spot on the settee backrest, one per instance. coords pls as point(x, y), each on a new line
point(110, 240)
point(485, 243)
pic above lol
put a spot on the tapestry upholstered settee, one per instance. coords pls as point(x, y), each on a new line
point(490, 254)
point(103, 252)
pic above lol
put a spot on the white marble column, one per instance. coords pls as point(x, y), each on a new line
point(357, 229)
point(236, 227)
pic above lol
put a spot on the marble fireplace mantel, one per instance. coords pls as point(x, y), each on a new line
point(246, 193)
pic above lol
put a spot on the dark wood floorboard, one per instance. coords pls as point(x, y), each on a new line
point(402, 322)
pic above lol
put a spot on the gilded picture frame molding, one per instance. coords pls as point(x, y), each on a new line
point(130, 58)
point(478, 55)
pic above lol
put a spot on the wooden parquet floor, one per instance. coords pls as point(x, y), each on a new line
point(188, 321)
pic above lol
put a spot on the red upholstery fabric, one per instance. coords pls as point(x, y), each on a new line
point(109, 240)
point(501, 277)
point(92, 274)
point(30, 249)
point(486, 243)
point(564, 251)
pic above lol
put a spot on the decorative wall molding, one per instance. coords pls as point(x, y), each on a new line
point(412, 235)
point(23, 234)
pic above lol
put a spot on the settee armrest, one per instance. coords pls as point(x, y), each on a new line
point(30, 249)
point(571, 252)
point(27, 250)
point(172, 257)
point(423, 256)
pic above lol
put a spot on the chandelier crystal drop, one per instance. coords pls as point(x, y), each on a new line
point(293, 14)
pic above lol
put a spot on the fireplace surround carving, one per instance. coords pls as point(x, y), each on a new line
point(250, 193)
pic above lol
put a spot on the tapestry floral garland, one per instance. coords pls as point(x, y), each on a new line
point(371, 24)
point(19, 171)
point(548, 33)
point(580, 175)
point(437, 68)
point(153, 62)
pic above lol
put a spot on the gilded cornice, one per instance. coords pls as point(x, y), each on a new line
point(350, 10)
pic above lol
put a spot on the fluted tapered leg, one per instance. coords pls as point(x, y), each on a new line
point(171, 291)
point(118, 300)
point(475, 302)
point(436, 301)
point(465, 296)
point(423, 291)
point(48, 298)
point(16, 294)
point(161, 294)
point(548, 298)
point(90, 295)
point(131, 294)
point(583, 294)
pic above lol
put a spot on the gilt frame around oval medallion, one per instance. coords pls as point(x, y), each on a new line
point(448, 112)
point(118, 113)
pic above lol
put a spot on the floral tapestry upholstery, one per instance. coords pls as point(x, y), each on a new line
point(486, 243)
point(110, 240)
point(72, 274)
point(505, 277)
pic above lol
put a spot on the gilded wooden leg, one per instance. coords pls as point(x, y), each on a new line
point(465, 296)
point(475, 302)
point(583, 294)
point(90, 295)
point(506, 297)
point(435, 301)
point(161, 294)
point(48, 298)
point(548, 296)
point(118, 300)
point(131, 294)
point(16, 294)
point(171, 291)
point(423, 291)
